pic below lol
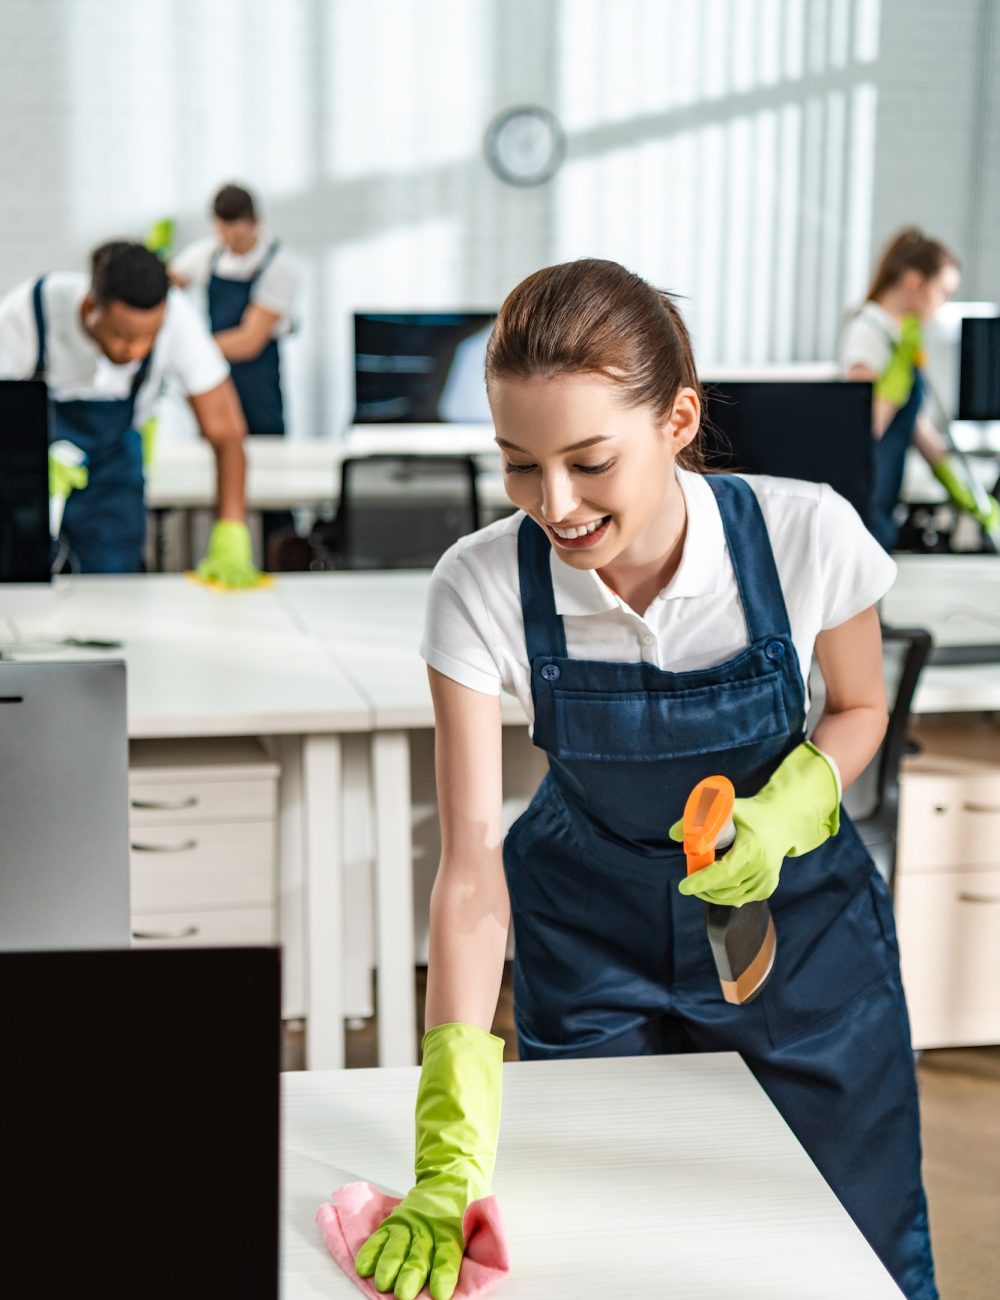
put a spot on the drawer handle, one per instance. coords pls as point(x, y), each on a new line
point(188, 932)
point(978, 898)
point(982, 807)
point(184, 846)
point(165, 805)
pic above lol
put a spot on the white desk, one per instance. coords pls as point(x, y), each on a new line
point(957, 598)
point(599, 1161)
point(206, 663)
point(283, 473)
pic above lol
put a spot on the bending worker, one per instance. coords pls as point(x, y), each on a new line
point(657, 624)
point(251, 287)
point(883, 344)
point(104, 345)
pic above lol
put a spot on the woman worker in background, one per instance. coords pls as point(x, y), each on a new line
point(882, 343)
point(657, 625)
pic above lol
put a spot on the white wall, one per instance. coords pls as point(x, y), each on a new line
point(745, 153)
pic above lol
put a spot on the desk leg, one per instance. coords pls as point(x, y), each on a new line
point(394, 954)
point(321, 801)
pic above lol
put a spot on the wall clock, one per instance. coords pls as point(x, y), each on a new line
point(525, 145)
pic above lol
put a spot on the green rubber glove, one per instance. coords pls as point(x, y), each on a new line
point(160, 238)
point(229, 562)
point(949, 477)
point(147, 433)
point(796, 811)
point(458, 1123)
point(896, 381)
point(64, 478)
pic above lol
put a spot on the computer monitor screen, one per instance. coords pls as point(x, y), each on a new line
point(815, 430)
point(979, 372)
point(25, 549)
point(421, 368)
point(140, 1098)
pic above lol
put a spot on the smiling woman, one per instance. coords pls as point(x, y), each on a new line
point(657, 624)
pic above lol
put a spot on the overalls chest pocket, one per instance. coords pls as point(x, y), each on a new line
point(650, 726)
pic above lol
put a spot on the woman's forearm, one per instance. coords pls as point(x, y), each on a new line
point(851, 738)
point(468, 942)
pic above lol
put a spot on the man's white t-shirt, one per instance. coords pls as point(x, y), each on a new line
point(868, 339)
point(829, 565)
point(276, 290)
point(76, 368)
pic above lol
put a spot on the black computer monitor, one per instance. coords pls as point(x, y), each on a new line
point(816, 430)
point(421, 367)
point(979, 371)
point(25, 548)
point(140, 1123)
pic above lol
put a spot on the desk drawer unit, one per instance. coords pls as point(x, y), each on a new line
point(202, 831)
point(947, 885)
point(949, 927)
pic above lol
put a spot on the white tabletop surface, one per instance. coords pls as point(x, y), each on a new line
point(373, 624)
point(957, 598)
point(678, 1165)
point(288, 472)
point(200, 662)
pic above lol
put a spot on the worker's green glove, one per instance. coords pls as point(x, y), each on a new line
point(458, 1122)
point(65, 478)
point(948, 476)
point(229, 562)
point(796, 811)
point(896, 381)
point(147, 435)
point(160, 237)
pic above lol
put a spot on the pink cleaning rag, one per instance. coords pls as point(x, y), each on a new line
point(358, 1209)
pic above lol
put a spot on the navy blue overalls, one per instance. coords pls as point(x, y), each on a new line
point(612, 961)
point(890, 461)
point(104, 524)
point(258, 381)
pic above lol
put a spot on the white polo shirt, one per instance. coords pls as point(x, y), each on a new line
point(75, 367)
point(829, 565)
point(868, 339)
point(277, 289)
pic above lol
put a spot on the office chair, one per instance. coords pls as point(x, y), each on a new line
point(397, 512)
point(878, 828)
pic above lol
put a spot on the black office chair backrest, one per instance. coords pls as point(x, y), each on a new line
point(403, 512)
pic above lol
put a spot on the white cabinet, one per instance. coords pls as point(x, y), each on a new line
point(202, 831)
point(947, 886)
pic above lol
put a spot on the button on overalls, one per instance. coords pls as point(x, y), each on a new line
point(611, 960)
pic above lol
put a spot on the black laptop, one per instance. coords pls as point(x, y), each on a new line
point(140, 1123)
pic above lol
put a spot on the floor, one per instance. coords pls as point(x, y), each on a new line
point(960, 1106)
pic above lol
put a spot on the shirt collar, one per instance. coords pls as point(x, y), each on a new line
point(581, 591)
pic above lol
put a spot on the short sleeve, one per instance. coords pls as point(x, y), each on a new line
point(456, 629)
point(864, 343)
point(277, 288)
point(192, 354)
point(192, 263)
point(18, 334)
point(854, 570)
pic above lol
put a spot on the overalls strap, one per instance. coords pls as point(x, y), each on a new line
point(752, 557)
point(544, 633)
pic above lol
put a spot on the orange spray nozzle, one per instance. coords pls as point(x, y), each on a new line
point(709, 807)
